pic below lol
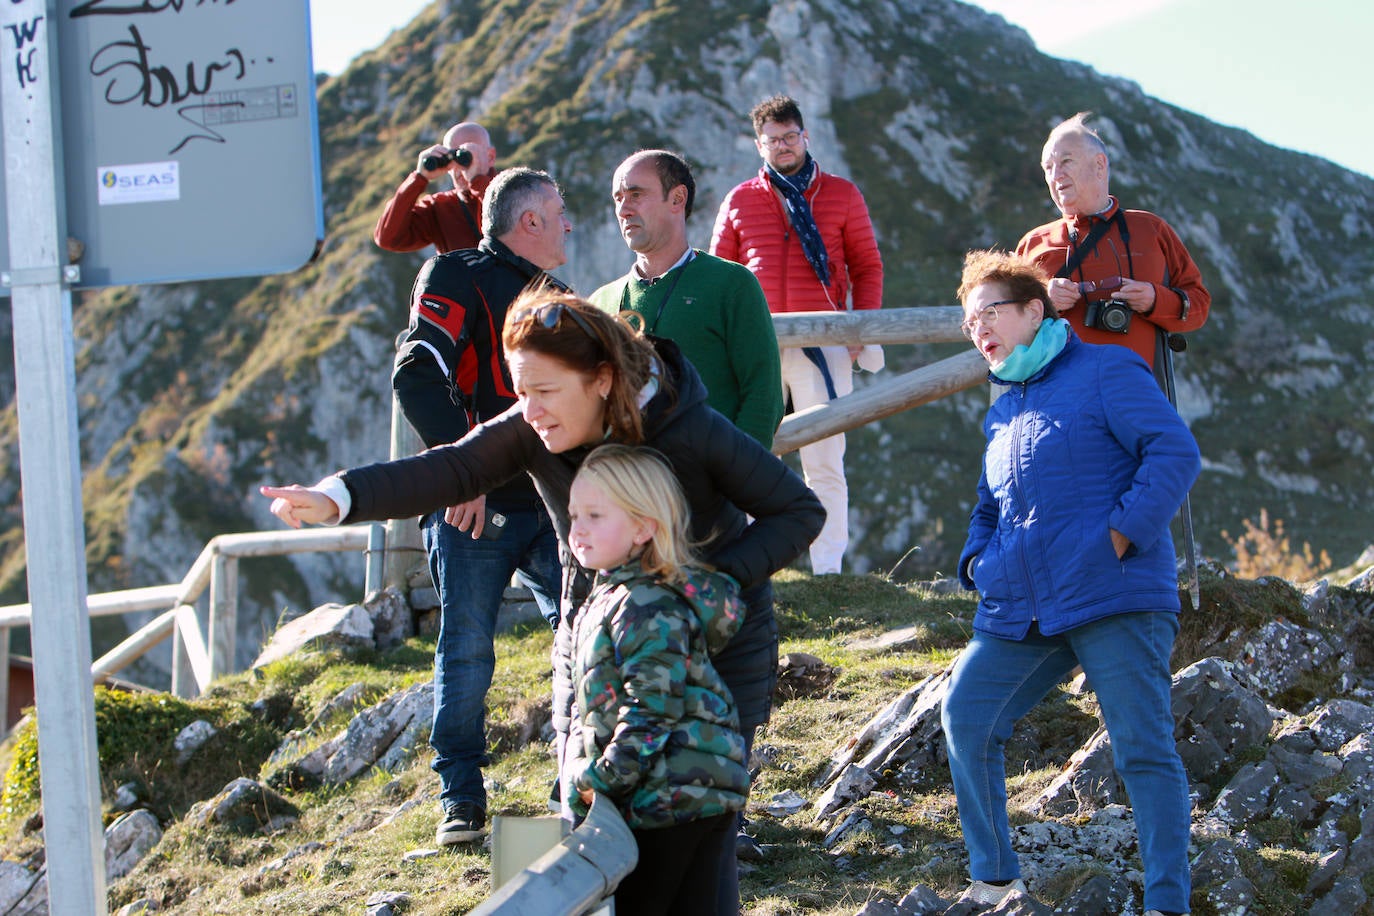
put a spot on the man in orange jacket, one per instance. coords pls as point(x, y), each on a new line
point(1119, 276)
point(807, 236)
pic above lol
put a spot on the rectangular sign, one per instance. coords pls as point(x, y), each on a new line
point(197, 119)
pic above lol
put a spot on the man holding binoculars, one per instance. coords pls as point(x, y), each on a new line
point(449, 220)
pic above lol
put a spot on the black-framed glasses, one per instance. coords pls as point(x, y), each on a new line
point(788, 139)
point(549, 315)
point(986, 317)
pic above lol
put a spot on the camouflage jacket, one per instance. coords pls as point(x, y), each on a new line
point(653, 726)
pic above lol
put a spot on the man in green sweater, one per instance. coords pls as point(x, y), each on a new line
point(713, 309)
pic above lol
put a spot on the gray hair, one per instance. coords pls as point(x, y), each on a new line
point(1077, 127)
point(511, 193)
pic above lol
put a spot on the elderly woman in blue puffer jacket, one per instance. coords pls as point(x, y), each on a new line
point(1070, 552)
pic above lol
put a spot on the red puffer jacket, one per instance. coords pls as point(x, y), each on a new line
point(752, 229)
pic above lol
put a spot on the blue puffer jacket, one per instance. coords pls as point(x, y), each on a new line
point(1086, 445)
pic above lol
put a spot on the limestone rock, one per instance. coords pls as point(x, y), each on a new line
point(246, 806)
point(128, 839)
point(22, 892)
point(327, 626)
point(191, 739)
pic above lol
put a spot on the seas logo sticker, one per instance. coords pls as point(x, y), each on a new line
point(140, 183)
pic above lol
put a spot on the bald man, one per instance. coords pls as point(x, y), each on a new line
point(449, 220)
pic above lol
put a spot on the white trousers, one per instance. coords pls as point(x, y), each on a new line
point(822, 462)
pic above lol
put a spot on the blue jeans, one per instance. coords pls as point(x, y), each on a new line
point(1126, 659)
point(471, 576)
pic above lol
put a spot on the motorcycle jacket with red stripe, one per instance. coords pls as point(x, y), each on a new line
point(450, 371)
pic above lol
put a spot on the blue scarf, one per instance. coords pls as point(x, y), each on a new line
point(799, 212)
point(1025, 361)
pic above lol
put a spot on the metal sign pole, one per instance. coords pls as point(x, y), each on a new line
point(50, 469)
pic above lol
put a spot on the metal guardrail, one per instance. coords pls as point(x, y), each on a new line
point(215, 569)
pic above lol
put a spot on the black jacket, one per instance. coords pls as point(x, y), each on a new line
point(725, 474)
point(450, 372)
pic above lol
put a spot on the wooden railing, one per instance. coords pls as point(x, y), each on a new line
point(936, 324)
point(196, 659)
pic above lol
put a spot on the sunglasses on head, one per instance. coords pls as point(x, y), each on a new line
point(549, 315)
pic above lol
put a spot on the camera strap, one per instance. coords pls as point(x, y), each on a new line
point(1081, 251)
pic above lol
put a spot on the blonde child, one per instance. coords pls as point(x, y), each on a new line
point(653, 728)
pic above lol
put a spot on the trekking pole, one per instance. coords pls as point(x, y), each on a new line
point(1175, 343)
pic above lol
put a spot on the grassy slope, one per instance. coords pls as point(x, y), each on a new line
point(365, 828)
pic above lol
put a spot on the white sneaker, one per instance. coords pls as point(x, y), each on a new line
point(990, 894)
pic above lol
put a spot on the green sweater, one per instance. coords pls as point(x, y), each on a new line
point(717, 314)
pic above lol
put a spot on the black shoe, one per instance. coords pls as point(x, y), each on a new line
point(747, 849)
point(463, 822)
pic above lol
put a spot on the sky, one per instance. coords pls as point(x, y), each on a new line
point(1296, 75)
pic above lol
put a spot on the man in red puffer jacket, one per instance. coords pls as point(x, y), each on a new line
point(807, 236)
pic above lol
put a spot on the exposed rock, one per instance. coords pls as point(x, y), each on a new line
point(191, 739)
point(345, 701)
point(893, 640)
point(125, 797)
point(906, 734)
point(387, 903)
point(22, 892)
point(785, 804)
point(1087, 783)
point(1347, 896)
point(143, 905)
point(853, 784)
point(802, 675)
point(879, 906)
point(922, 900)
point(245, 806)
point(385, 735)
point(1100, 895)
point(128, 839)
point(392, 619)
point(296, 852)
point(1215, 716)
point(854, 820)
point(1247, 794)
point(1276, 657)
point(329, 626)
point(1339, 721)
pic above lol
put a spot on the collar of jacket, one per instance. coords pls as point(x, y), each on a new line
point(815, 179)
point(477, 188)
point(626, 572)
point(499, 250)
point(1083, 224)
point(1069, 344)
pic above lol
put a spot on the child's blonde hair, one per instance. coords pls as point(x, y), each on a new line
point(640, 481)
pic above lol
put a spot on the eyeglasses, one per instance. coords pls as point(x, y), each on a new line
point(549, 316)
point(788, 139)
point(986, 317)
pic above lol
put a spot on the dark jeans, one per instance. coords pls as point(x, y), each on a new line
point(749, 666)
point(678, 870)
point(471, 576)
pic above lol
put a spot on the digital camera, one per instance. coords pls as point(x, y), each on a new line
point(437, 161)
point(1112, 315)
